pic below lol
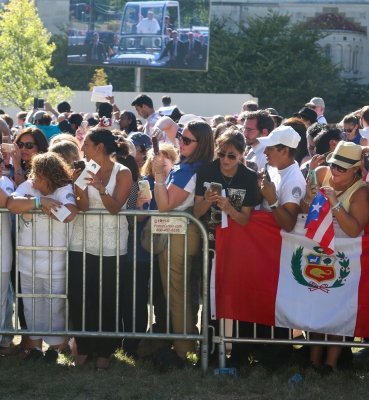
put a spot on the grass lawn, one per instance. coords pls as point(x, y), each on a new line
point(127, 380)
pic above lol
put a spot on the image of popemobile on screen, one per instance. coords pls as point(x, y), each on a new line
point(150, 34)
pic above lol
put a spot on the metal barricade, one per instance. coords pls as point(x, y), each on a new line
point(117, 333)
point(222, 340)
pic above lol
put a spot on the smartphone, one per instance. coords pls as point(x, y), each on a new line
point(41, 103)
point(84, 124)
point(8, 148)
point(79, 165)
point(312, 176)
point(216, 187)
point(145, 188)
point(35, 102)
point(155, 144)
point(366, 161)
point(266, 173)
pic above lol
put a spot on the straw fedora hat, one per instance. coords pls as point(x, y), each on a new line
point(346, 155)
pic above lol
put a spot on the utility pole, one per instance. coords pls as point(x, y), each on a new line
point(92, 17)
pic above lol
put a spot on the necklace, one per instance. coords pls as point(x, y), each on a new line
point(225, 180)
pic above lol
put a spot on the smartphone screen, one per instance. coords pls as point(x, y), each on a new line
point(312, 177)
point(35, 102)
point(216, 187)
point(41, 103)
point(266, 173)
point(155, 144)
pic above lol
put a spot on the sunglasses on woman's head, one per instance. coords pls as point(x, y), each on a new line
point(229, 156)
point(338, 168)
point(186, 141)
point(27, 145)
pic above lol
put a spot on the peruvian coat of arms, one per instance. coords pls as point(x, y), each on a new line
point(319, 268)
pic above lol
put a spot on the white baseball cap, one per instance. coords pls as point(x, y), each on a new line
point(316, 101)
point(285, 135)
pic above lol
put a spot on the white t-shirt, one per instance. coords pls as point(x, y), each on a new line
point(289, 183)
point(59, 238)
point(7, 253)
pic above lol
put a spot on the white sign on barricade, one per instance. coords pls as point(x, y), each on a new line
point(169, 225)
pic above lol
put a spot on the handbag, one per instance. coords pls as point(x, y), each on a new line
point(160, 240)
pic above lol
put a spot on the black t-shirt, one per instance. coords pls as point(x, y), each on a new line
point(241, 191)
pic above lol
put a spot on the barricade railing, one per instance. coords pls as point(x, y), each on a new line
point(166, 220)
point(223, 339)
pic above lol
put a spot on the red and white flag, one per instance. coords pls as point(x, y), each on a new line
point(268, 276)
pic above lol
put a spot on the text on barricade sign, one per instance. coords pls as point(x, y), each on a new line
point(169, 225)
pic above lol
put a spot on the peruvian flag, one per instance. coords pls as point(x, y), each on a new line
point(268, 276)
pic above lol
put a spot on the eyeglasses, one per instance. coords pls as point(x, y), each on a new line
point(229, 156)
point(349, 130)
point(248, 130)
point(27, 145)
point(338, 168)
point(186, 141)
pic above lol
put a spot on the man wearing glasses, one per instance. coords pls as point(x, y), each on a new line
point(317, 104)
point(257, 124)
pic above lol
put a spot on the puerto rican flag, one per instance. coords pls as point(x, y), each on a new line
point(268, 276)
point(319, 223)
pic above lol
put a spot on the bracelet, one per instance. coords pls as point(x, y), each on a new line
point(275, 205)
point(337, 207)
point(19, 172)
point(236, 215)
point(37, 202)
point(159, 183)
point(305, 201)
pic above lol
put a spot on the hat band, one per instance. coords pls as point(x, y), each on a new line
point(345, 159)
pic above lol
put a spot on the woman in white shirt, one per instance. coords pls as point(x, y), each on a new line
point(108, 189)
point(48, 188)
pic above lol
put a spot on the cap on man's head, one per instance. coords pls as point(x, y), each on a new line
point(316, 102)
point(274, 113)
point(185, 119)
point(38, 115)
point(63, 106)
point(141, 139)
point(308, 113)
point(285, 135)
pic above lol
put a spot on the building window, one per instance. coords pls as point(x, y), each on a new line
point(328, 51)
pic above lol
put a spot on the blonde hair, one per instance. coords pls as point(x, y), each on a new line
point(169, 152)
point(68, 150)
point(63, 136)
point(51, 167)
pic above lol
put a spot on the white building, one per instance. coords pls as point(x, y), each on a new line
point(346, 21)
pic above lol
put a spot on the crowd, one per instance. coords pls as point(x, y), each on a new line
point(214, 168)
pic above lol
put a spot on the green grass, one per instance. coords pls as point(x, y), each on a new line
point(127, 380)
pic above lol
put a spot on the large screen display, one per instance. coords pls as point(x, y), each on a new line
point(148, 34)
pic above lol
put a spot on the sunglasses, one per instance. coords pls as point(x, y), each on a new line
point(27, 145)
point(349, 130)
point(186, 141)
point(338, 168)
point(229, 156)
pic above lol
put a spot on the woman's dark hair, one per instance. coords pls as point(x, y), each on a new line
point(131, 164)
point(133, 124)
point(112, 143)
point(300, 128)
point(38, 136)
point(351, 119)
point(232, 137)
point(221, 128)
point(205, 142)
point(314, 129)
point(321, 141)
point(75, 119)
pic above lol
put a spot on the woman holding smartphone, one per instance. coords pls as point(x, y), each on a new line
point(108, 189)
point(177, 193)
point(241, 193)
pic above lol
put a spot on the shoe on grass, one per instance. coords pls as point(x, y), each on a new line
point(34, 355)
point(326, 370)
point(51, 356)
point(363, 354)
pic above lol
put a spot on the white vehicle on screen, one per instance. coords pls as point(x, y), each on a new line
point(142, 33)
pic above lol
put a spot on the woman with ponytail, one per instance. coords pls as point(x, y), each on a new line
point(108, 189)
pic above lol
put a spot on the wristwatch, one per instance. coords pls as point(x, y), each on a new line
point(104, 193)
point(19, 172)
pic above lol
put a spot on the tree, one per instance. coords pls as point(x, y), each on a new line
point(99, 78)
point(26, 57)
